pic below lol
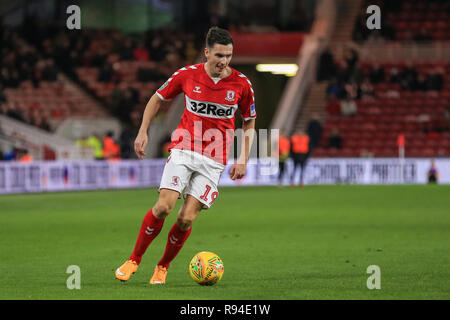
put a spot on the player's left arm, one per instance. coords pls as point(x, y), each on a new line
point(240, 166)
point(248, 113)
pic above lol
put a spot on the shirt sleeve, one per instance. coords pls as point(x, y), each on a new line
point(172, 87)
point(247, 102)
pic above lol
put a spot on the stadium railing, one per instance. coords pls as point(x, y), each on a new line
point(63, 148)
point(297, 87)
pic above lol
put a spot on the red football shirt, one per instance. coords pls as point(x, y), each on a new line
point(207, 123)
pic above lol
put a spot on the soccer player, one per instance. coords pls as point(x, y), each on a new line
point(213, 92)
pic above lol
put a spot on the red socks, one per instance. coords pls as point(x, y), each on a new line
point(151, 226)
point(176, 240)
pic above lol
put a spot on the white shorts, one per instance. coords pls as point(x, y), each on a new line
point(194, 174)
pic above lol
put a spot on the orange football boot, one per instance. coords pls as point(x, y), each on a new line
point(159, 276)
point(124, 272)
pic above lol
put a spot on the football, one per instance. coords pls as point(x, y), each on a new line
point(206, 268)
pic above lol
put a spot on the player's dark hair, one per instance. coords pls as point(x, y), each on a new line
point(218, 35)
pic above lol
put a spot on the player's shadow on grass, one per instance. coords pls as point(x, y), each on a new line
point(168, 285)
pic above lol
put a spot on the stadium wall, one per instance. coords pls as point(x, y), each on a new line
point(92, 175)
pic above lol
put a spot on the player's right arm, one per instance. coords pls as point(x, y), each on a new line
point(150, 111)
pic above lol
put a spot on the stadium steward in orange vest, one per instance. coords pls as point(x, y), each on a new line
point(284, 148)
point(300, 153)
point(111, 150)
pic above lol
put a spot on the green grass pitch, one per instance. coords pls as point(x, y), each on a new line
point(276, 243)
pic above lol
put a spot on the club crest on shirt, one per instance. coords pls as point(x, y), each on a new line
point(197, 89)
point(175, 181)
point(230, 95)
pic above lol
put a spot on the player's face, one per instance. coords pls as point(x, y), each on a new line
point(218, 58)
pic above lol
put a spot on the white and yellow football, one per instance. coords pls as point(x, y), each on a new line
point(206, 268)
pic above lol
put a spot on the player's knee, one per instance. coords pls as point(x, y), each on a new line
point(184, 223)
point(162, 209)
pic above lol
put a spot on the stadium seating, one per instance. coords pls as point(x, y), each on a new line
point(403, 20)
point(431, 18)
point(129, 69)
point(135, 64)
point(51, 101)
point(37, 93)
point(419, 115)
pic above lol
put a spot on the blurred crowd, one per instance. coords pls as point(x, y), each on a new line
point(104, 50)
point(22, 63)
point(34, 54)
point(349, 82)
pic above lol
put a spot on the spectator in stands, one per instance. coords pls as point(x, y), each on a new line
point(423, 36)
point(126, 142)
point(15, 112)
point(134, 96)
point(327, 68)
point(299, 153)
point(314, 131)
point(353, 91)
point(157, 49)
point(351, 57)
point(123, 100)
point(394, 76)
point(408, 77)
point(367, 92)
point(433, 174)
point(421, 84)
point(11, 155)
point(335, 139)
point(141, 53)
point(49, 72)
point(348, 107)
point(27, 72)
point(344, 72)
point(435, 80)
point(10, 77)
point(357, 75)
point(106, 72)
point(126, 50)
point(334, 89)
point(377, 74)
point(171, 62)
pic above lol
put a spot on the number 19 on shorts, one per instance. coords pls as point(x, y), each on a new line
point(205, 195)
